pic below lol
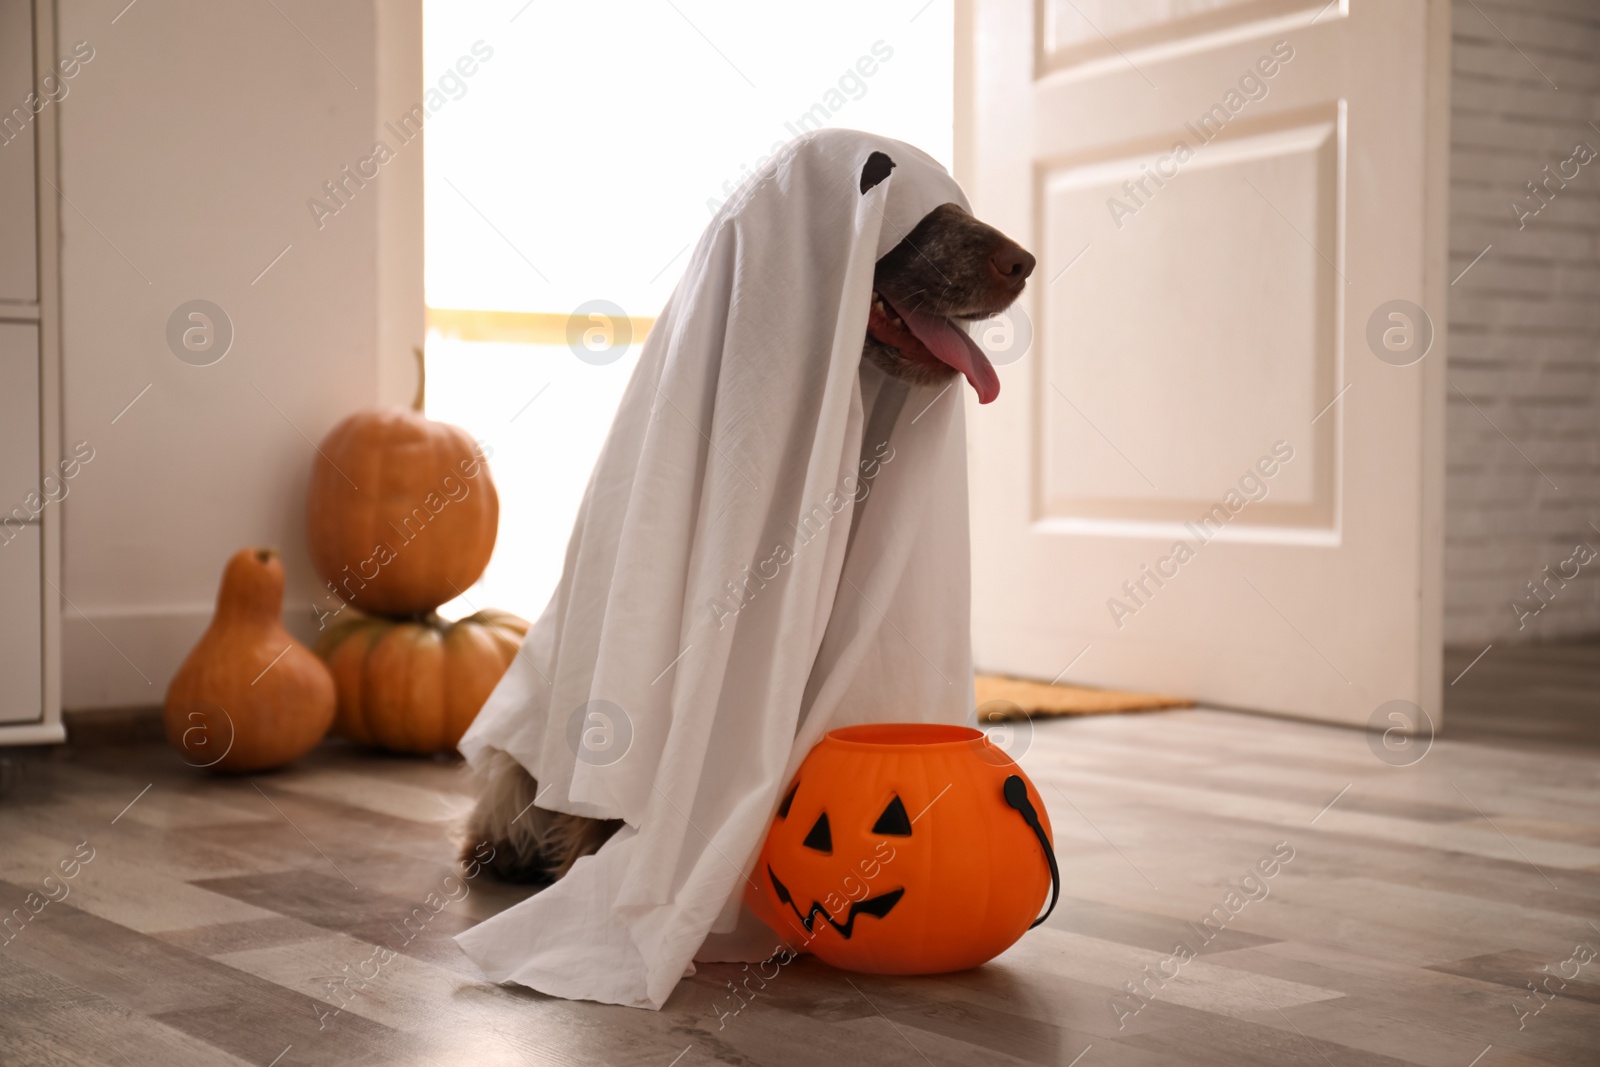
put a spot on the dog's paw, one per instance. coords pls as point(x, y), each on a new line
point(501, 860)
point(529, 844)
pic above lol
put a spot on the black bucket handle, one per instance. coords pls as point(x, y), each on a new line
point(1016, 793)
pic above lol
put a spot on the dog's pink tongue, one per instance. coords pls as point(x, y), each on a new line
point(951, 345)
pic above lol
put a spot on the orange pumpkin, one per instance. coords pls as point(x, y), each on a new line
point(402, 513)
point(415, 686)
point(249, 697)
point(905, 848)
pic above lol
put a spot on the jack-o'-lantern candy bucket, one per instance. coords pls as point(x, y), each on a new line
point(906, 848)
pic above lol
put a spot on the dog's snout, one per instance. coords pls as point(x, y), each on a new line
point(1012, 263)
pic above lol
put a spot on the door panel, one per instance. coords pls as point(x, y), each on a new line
point(1200, 478)
point(1267, 367)
point(1068, 40)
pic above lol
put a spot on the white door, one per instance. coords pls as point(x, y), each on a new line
point(1201, 478)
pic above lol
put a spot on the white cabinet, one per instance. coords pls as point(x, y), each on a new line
point(19, 419)
point(21, 629)
point(30, 381)
point(18, 156)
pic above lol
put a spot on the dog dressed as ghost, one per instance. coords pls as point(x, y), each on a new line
point(774, 543)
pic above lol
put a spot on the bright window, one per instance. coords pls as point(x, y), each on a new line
point(579, 160)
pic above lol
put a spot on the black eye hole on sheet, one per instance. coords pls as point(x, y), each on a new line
point(876, 169)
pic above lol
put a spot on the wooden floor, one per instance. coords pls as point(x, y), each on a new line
point(1419, 903)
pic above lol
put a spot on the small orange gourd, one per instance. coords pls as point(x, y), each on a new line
point(416, 685)
point(905, 848)
point(249, 697)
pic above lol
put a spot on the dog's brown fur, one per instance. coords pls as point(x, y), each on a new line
point(949, 264)
point(530, 843)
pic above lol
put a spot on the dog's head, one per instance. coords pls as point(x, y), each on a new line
point(950, 267)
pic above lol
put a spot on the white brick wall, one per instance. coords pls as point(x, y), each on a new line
point(1524, 322)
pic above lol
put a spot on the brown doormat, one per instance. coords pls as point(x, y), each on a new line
point(1015, 698)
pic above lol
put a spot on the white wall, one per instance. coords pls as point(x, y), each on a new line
point(190, 144)
point(1524, 321)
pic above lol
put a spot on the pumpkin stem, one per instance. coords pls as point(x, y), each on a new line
point(419, 402)
point(264, 554)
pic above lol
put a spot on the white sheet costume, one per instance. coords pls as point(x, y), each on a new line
point(774, 543)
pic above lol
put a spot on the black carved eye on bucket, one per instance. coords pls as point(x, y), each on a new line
point(788, 799)
point(821, 836)
point(893, 822)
